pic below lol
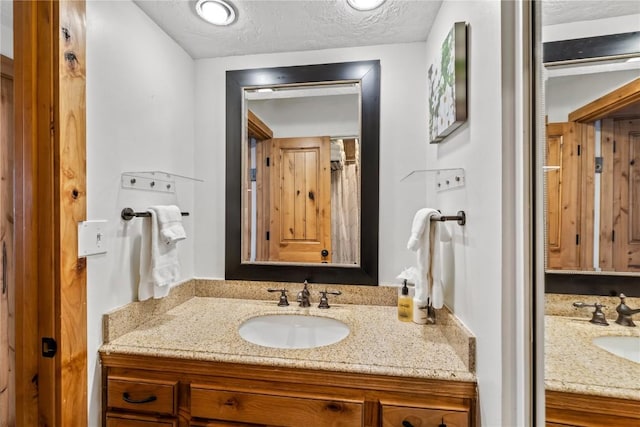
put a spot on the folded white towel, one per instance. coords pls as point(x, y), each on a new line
point(159, 263)
point(170, 223)
point(425, 239)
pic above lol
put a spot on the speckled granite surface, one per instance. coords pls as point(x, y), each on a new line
point(574, 364)
point(562, 305)
point(205, 328)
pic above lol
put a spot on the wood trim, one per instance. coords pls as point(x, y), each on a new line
point(71, 205)
point(608, 104)
point(606, 196)
point(589, 410)
point(162, 367)
point(257, 128)
point(587, 190)
point(26, 206)
point(50, 164)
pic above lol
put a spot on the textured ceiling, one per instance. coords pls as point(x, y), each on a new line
point(564, 11)
point(269, 26)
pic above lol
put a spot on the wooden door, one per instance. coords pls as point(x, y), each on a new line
point(563, 197)
point(7, 301)
point(626, 190)
point(300, 218)
point(49, 150)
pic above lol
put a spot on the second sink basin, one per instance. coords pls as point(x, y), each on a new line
point(293, 331)
point(627, 347)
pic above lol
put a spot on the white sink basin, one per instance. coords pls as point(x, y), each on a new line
point(627, 347)
point(293, 331)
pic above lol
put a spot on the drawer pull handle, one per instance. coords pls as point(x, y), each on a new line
point(406, 423)
point(128, 399)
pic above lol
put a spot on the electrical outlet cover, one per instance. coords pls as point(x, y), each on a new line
point(91, 238)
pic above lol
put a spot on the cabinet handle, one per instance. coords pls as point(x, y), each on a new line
point(406, 424)
point(128, 399)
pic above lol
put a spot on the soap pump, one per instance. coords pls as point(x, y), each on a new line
point(405, 312)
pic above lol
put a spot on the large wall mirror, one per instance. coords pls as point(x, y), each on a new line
point(302, 173)
point(592, 163)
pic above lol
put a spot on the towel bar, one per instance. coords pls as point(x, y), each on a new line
point(128, 214)
point(461, 217)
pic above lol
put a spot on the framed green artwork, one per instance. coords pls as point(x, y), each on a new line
point(447, 84)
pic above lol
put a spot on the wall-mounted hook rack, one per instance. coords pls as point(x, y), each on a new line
point(163, 182)
point(444, 179)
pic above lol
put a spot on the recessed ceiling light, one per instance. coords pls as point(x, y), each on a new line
point(364, 4)
point(216, 12)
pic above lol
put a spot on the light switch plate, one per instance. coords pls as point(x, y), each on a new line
point(91, 238)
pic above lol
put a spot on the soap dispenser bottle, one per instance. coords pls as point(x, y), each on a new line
point(405, 304)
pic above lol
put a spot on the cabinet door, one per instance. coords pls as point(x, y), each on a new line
point(282, 411)
point(122, 420)
point(142, 395)
point(404, 416)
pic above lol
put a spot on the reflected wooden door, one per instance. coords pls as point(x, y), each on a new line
point(563, 196)
point(626, 203)
point(7, 291)
point(300, 217)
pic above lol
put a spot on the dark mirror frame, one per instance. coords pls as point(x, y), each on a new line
point(368, 74)
point(578, 50)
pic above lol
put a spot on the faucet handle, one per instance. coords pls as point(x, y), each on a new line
point(598, 315)
point(324, 301)
point(283, 297)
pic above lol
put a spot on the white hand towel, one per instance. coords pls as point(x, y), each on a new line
point(159, 263)
point(170, 223)
point(425, 239)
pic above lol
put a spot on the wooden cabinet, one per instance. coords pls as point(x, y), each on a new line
point(142, 395)
point(581, 410)
point(404, 416)
point(141, 391)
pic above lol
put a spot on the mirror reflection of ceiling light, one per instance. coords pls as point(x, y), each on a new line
point(216, 12)
point(365, 4)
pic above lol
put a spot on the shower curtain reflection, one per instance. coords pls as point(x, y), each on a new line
point(345, 201)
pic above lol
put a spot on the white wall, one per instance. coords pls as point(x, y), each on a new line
point(402, 146)
point(335, 115)
point(475, 294)
point(593, 28)
point(140, 100)
point(6, 28)
point(565, 94)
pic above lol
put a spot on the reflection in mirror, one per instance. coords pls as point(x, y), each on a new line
point(312, 214)
point(302, 160)
point(592, 166)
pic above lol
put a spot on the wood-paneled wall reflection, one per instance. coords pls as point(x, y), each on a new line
point(572, 192)
point(7, 284)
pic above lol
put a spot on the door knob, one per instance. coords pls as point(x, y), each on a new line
point(324, 253)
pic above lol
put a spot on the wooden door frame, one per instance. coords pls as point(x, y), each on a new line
point(49, 63)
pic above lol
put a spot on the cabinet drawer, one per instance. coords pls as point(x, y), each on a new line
point(406, 416)
point(142, 395)
point(122, 420)
point(274, 410)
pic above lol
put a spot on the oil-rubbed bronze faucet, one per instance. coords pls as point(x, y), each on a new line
point(324, 301)
point(303, 296)
point(283, 297)
point(598, 316)
point(625, 312)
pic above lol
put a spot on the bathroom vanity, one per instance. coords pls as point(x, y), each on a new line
point(189, 366)
point(586, 384)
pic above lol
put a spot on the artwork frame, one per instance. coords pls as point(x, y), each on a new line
point(447, 85)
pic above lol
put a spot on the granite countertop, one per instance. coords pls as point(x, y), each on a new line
point(205, 328)
point(574, 364)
